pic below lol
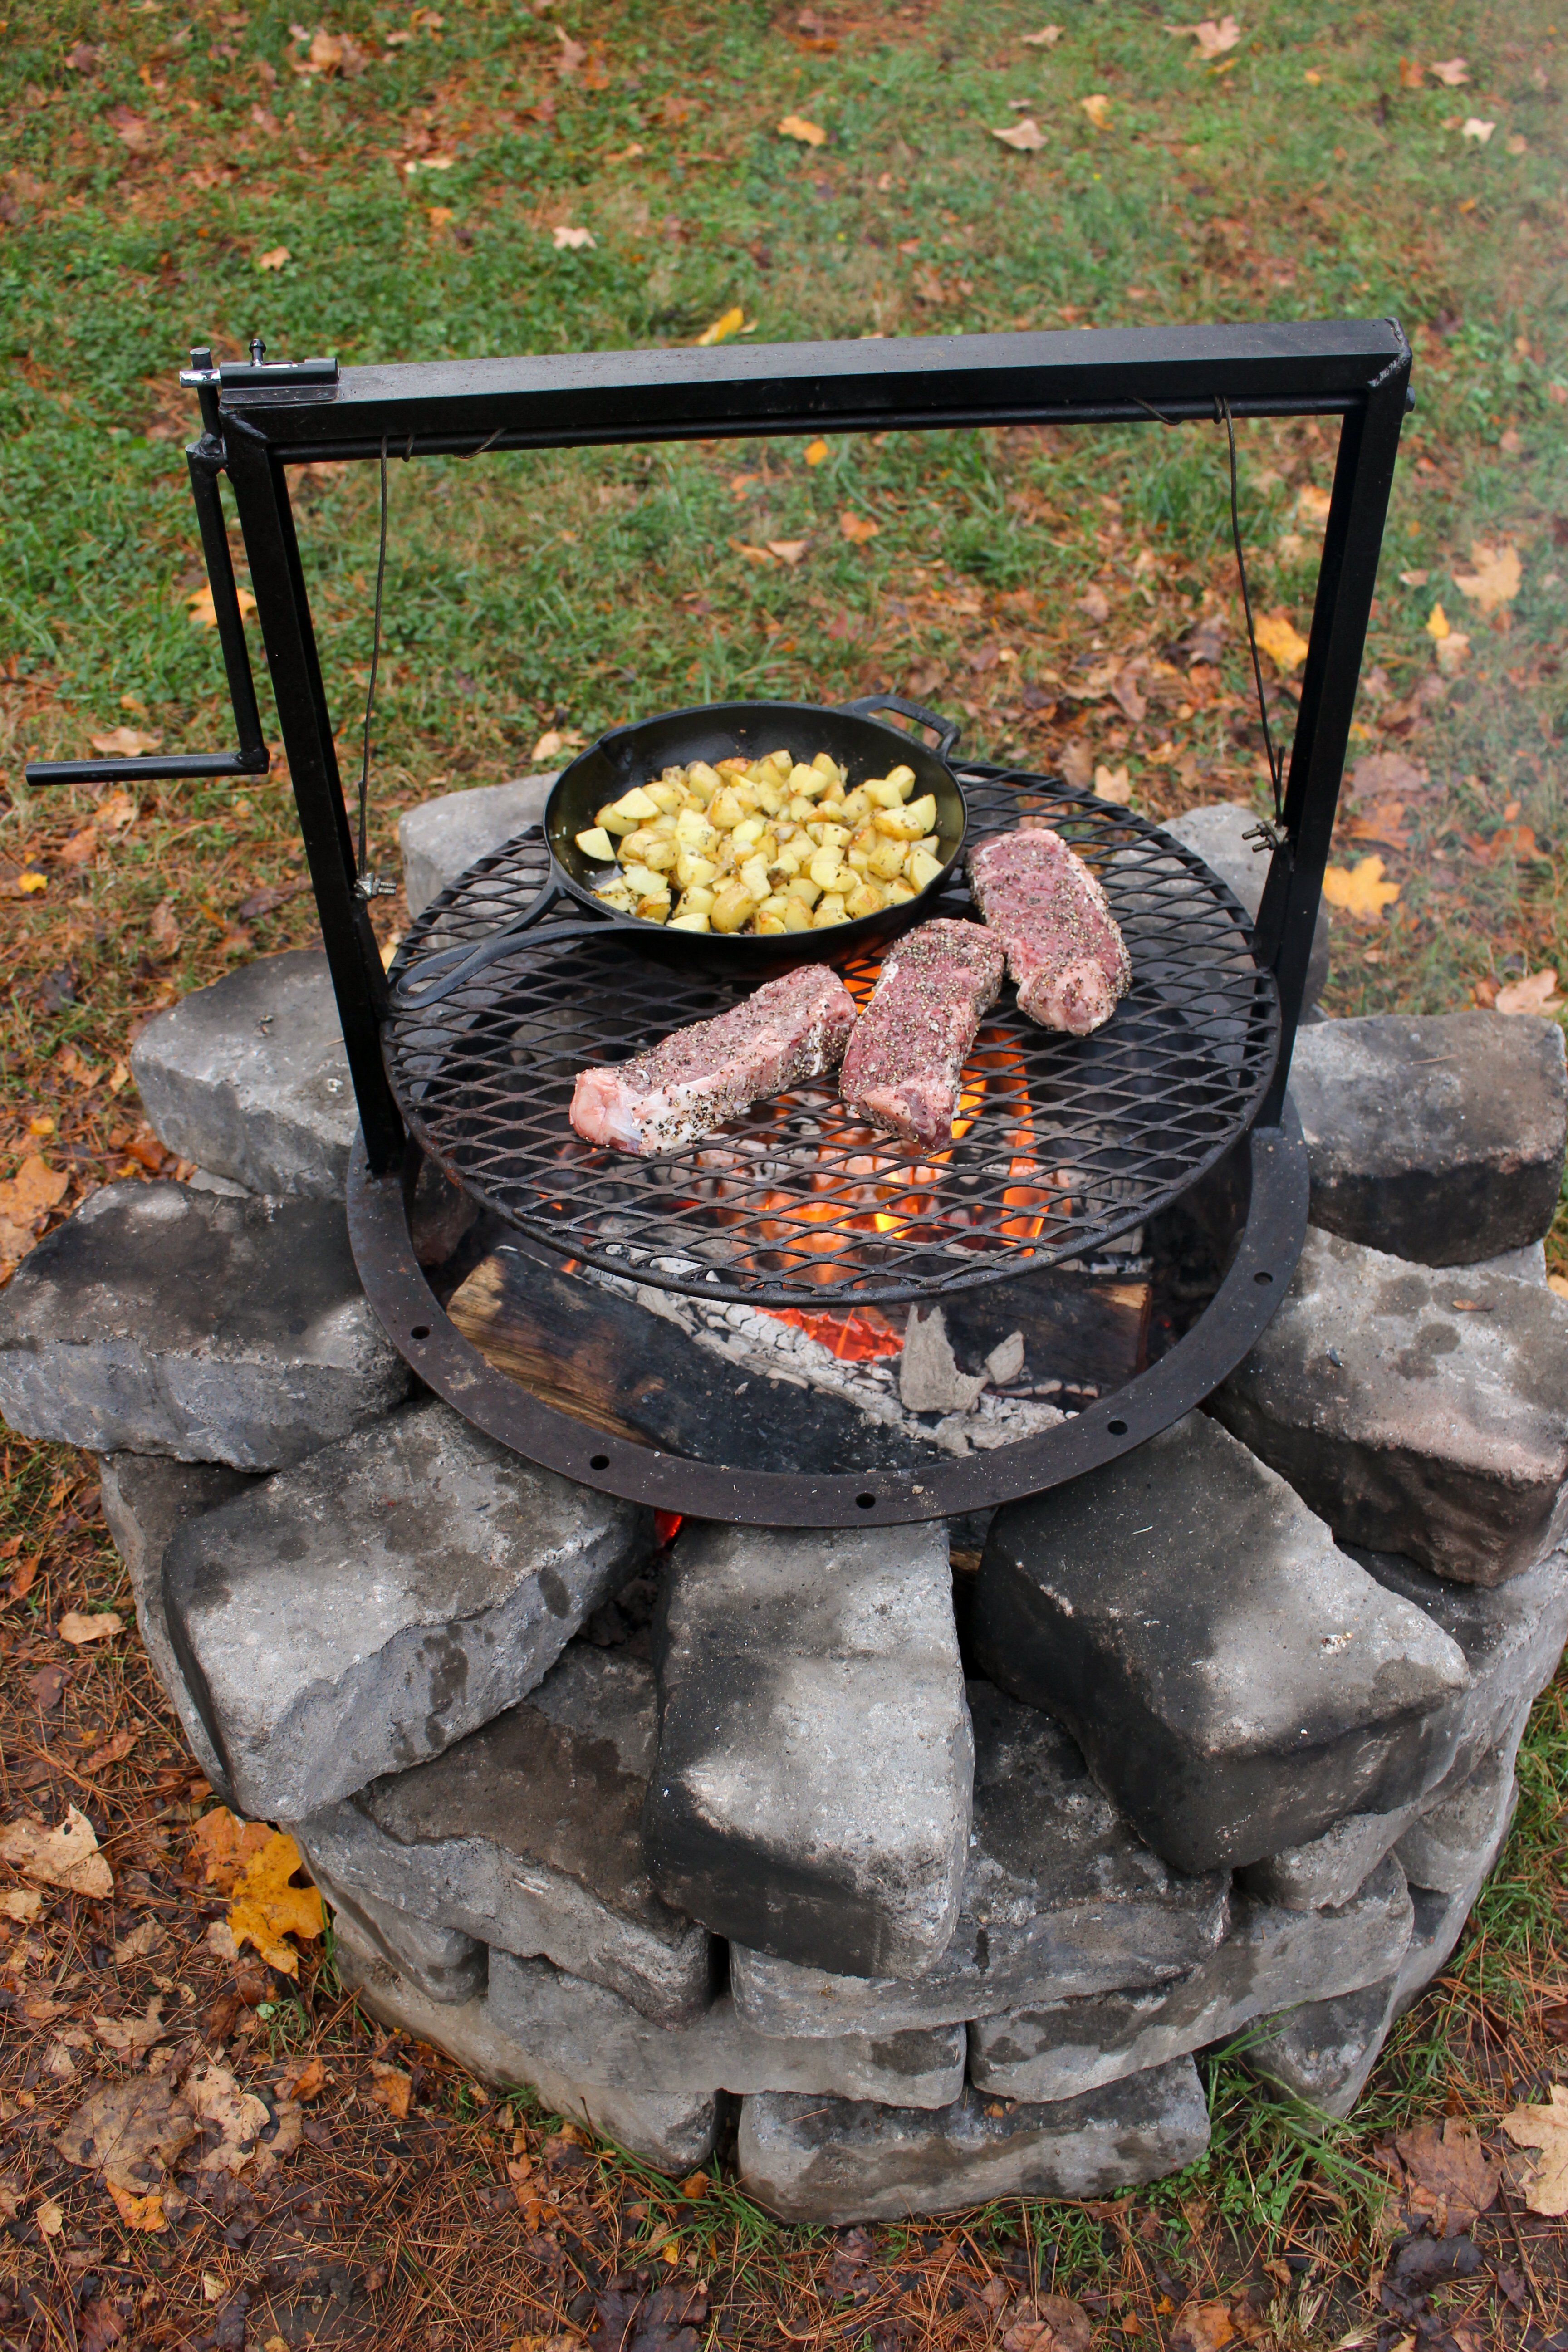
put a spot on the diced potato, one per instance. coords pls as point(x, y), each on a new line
point(887, 859)
point(688, 923)
point(829, 910)
point(754, 875)
point(770, 797)
point(897, 891)
point(826, 765)
point(669, 797)
point(732, 909)
point(907, 824)
point(809, 782)
point(881, 792)
point(612, 822)
point(796, 914)
point(825, 866)
point(769, 926)
point(691, 871)
point(697, 901)
point(637, 805)
point(921, 868)
point(833, 836)
point(737, 764)
point(616, 894)
point(774, 905)
point(703, 778)
point(727, 809)
point(801, 809)
point(750, 829)
point(794, 856)
point(904, 777)
point(596, 843)
point(693, 831)
point(653, 910)
point(866, 900)
point(858, 860)
point(662, 853)
point(780, 761)
point(804, 891)
point(857, 807)
point(644, 883)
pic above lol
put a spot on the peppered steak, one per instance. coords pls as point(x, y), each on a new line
point(697, 1078)
point(1064, 947)
point(904, 1063)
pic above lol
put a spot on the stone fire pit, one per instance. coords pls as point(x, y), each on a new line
point(925, 1861)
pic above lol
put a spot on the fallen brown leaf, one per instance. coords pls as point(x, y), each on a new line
point(857, 527)
point(302, 2083)
point(1281, 640)
point(1451, 2165)
point(130, 2133)
point(810, 135)
point(34, 1188)
point(66, 1857)
point(1025, 136)
point(1538, 993)
point(1098, 108)
point(1546, 2129)
point(225, 1847)
point(1360, 890)
point(125, 743)
point(78, 1628)
point(1495, 579)
point(215, 2099)
point(1050, 2322)
point(132, 2037)
point(1095, 603)
point(390, 2088)
point(1202, 2327)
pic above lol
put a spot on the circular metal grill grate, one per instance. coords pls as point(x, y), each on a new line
point(1061, 1143)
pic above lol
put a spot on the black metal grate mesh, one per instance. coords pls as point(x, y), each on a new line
point(1061, 1143)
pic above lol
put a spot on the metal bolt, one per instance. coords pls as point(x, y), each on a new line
point(257, 351)
point(201, 357)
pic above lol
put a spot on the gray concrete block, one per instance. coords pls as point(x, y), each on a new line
point(672, 2133)
point(250, 1077)
point(1057, 1892)
point(834, 2160)
point(1527, 1263)
point(812, 1794)
point(161, 1321)
point(1417, 1411)
point(1236, 1682)
point(145, 1497)
point(1216, 833)
point(1326, 1871)
point(1440, 1850)
point(358, 1613)
point(442, 838)
point(1271, 1958)
point(527, 1834)
point(442, 1964)
point(1512, 1636)
point(1436, 1137)
point(593, 2035)
point(1323, 2053)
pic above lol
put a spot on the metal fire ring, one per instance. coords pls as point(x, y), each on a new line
point(1061, 1143)
point(1266, 1252)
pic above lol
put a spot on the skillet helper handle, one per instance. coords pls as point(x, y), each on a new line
point(946, 730)
point(436, 976)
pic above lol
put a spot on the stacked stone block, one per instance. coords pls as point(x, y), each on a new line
point(1227, 1753)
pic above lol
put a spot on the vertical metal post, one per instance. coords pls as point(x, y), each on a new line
point(283, 608)
point(1353, 537)
point(204, 457)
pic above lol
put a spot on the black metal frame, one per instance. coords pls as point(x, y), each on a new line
point(259, 419)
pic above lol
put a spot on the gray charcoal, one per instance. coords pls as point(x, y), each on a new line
point(358, 1613)
point(527, 1833)
point(1217, 833)
point(250, 1077)
point(673, 2133)
point(1272, 1959)
point(161, 1321)
point(833, 2160)
point(1236, 1682)
point(145, 1497)
point(443, 837)
point(593, 2035)
point(1414, 1409)
point(442, 1964)
point(1436, 1137)
point(812, 1792)
point(1057, 1891)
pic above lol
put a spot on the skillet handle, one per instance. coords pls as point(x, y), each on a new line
point(946, 730)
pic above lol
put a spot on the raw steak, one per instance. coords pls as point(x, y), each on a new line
point(1064, 949)
point(905, 1060)
point(694, 1079)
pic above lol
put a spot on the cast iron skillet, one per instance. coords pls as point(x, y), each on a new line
point(719, 731)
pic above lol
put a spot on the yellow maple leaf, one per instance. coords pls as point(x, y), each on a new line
point(1437, 623)
point(204, 612)
point(729, 323)
point(1496, 578)
point(1360, 890)
point(266, 1908)
point(226, 1847)
point(816, 451)
point(1098, 108)
point(1281, 641)
point(810, 135)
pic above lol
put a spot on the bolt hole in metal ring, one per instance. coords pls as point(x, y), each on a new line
point(1062, 1144)
point(1262, 1276)
point(1116, 1428)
